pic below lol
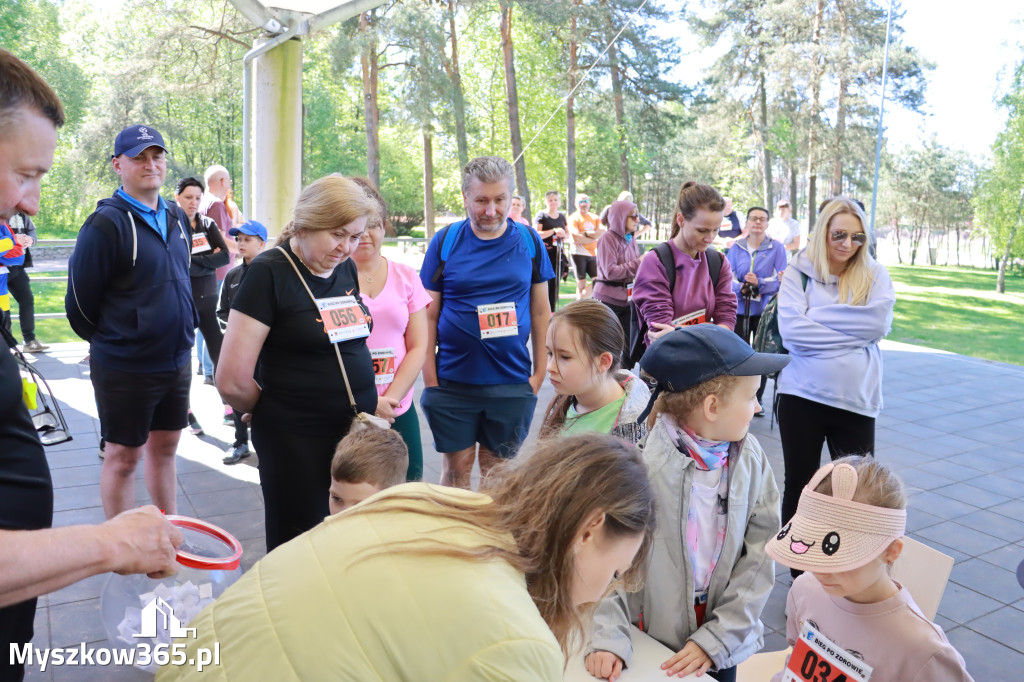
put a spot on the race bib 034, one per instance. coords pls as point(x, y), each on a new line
point(816, 658)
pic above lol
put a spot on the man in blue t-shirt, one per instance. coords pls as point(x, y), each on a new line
point(486, 276)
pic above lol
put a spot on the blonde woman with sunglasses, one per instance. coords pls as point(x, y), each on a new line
point(835, 305)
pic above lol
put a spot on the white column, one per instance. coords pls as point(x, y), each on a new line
point(277, 134)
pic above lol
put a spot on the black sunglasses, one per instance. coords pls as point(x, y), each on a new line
point(857, 237)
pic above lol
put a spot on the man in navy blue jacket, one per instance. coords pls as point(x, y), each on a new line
point(130, 297)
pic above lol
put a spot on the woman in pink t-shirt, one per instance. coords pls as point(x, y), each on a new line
point(393, 294)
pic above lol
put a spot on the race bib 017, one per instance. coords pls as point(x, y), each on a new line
point(698, 317)
point(343, 318)
point(497, 320)
point(816, 658)
point(383, 365)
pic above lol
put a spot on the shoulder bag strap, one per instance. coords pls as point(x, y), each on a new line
point(341, 364)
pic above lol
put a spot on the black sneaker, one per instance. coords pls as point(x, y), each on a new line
point(193, 425)
point(208, 381)
point(238, 453)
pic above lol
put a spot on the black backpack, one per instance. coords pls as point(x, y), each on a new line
point(768, 338)
point(637, 325)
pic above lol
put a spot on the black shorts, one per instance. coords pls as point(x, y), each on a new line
point(130, 404)
point(585, 265)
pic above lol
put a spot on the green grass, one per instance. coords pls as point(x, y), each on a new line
point(954, 309)
point(958, 309)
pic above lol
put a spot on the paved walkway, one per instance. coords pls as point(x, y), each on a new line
point(952, 426)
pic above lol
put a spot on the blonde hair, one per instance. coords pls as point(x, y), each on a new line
point(370, 454)
point(330, 203)
point(680, 405)
point(856, 279)
point(543, 501)
point(877, 485)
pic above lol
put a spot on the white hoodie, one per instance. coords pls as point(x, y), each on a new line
point(835, 359)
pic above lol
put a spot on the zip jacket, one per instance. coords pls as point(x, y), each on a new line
point(129, 293)
point(741, 581)
point(766, 261)
point(833, 346)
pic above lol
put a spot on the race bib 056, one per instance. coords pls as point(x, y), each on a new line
point(343, 318)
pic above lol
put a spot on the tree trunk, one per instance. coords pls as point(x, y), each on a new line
point(620, 114)
point(765, 152)
point(844, 85)
point(512, 95)
point(428, 181)
point(451, 67)
point(1001, 278)
point(816, 74)
point(794, 206)
point(570, 119)
point(371, 111)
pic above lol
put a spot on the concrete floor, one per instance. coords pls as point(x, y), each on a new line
point(952, 426)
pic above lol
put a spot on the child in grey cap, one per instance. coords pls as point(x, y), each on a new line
point(708, 581)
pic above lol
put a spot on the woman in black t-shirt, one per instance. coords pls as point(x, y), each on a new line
point(298, 401)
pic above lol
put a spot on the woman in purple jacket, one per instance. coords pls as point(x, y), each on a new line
point(695, 298)
point(757, 263)
point(618, 258)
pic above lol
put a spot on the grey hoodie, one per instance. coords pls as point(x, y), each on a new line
point(741, 582)
point(835, 359)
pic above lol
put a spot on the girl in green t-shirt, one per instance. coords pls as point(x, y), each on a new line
point(584, 343)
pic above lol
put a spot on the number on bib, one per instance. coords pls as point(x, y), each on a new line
point(343, 318)
point(497, 320)
point(698, 317)
point(383, 365)
point(200, 244)
point(816, 658)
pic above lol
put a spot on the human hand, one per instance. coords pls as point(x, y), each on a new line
point(141, 541)
point(604, 665)
point(247, 418)
point(750, 278)
point(690, 659)
point(23, 239)
point(536, 381)
point(386, 408)
point(216, 250)
point(662, 329)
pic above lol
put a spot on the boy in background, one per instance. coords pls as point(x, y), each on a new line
point(252, 238)
point(366, 461)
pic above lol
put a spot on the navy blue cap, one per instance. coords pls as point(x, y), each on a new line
point(133, 139)
point(688, 356)
point(250, 227)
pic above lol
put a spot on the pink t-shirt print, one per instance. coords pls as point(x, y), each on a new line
point(403, 295)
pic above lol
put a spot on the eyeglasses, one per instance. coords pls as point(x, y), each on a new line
point(634, 216)
point(858, 238)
